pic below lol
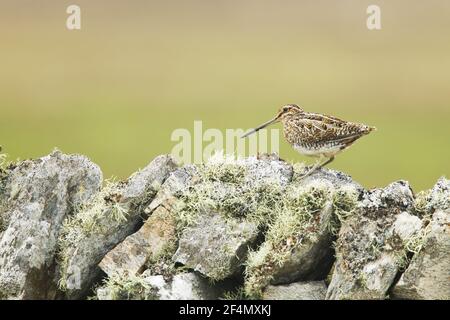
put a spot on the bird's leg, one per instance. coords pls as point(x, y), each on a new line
point(326, 162)
point(316, 166)
point(313, 168)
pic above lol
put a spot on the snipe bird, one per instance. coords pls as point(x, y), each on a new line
point(315, 134)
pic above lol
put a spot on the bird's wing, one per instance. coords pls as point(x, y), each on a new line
point(311, 130)
point(344, 139)
point(328, 129)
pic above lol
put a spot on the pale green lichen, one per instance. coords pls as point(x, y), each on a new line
point(421, 202)
point(220, 188)
point(344, 201)
point(288, 216)
point(375, 248)
point(412, 245)
point(225, 171)
point(425, 202)
point(4, 165)
point(3, 162)
point(95, 217)
point(90, 217)
point(128, 287)
point(237, 294)
point(295, 223)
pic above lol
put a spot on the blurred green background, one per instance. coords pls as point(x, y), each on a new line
point(137, 70)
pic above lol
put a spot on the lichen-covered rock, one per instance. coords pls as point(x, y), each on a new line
point(309, 259)
point(251, 222)
point(438, 197)
point(310, 290)
point(182, 286)
point(428, 274)
point(177, 182)
point(4, 172)
point(327, 176)
point(215, 246)
point(371, 246)
point(126, 287)
point(245, 188)
point(153, 239)
point(219, 208)
point(40, 193)
point(115, 213)
point(298, 243)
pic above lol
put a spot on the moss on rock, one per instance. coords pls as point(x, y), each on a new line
point(126, 287)
point(300, 219)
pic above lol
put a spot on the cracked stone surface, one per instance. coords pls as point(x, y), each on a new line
point(428, 275)
point(41, 193)
point(83, 255)
point(215, 247)
point(371, 243)
point(309, 290)
point(153, 238)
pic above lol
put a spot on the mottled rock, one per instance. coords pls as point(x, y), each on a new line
point(183, 286)
point(334, 178)
point(115, 214)
point(177, 182)
point(155, 237)
point(428, 274)
point(311, 290)
point(216, 247)
point(406, 225)
point(298, 243)
point(310, 259)
point(58, 226)
point(248, 172)
point(371, 244)
point(40, 193)
point(439, 197)
point(266, 168)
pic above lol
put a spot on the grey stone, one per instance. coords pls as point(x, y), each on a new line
point(370, 244)
point(298, 245)
point(311, 290)
point(311, 260)
point(84, 249)
point(428, 274)
point(58, 226)
point(216, 247)
point(329, 176)
point(439, 197)
point(183, 286)
point(266, 168)
point(177, 181)
point(40, 193)
point(153, 238)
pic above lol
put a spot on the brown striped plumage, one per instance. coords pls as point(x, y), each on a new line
point(315, 134)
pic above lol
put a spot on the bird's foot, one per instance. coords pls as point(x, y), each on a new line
point(309, 172)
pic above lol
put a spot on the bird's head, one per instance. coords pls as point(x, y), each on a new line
point(288, 110)
point(283, 113)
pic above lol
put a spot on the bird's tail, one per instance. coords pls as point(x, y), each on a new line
point(369, 129)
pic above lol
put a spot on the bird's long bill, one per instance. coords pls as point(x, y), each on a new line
point(260, 127)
